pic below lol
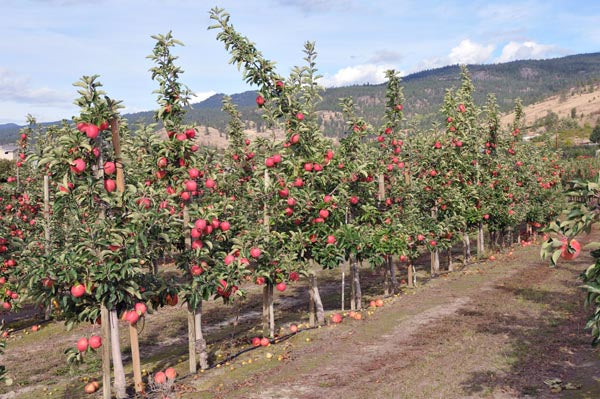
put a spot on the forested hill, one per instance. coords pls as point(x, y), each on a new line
point(531, 80)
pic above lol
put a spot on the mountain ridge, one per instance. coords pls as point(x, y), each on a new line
point(530, 80)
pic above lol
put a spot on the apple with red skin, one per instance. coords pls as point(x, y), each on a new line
point(132, 317)
point(265, 342)
point(294, 276)
point(91, 131)
point(565, 254)
point(190, 185)
point(336, 318)
point(140, 308)
point(300, 116)
point(196, 270)
point(82, 344)
point(95, 342)
point(210, 183)
point(110, 185)
point(260, 280)
point(78, 166)
point(170, 373)
point(109, 168)
point(294, 328)
point(260, 101)
point(229, 259)
point(78, 290)
point(224, 226)
point(281, 286)
point(162, 162)
point(190, 133)
point(255, 252)
point(269, 162)
point(330, 239)
point(256, 342)
point(160, 378)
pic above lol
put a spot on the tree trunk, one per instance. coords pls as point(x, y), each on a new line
point(480, 241)
point(311, 303)
point(191, 340)
point(318, 311)
point(105, 328)
point(47, 244)
point(386, 277)
point(435, 263)
point(343, 267)
point(200, 343)
point(411, 274)
point(450, 264)
point(268, 319)
point(271, 312)
point(135, 359)
point(115, 347)
point(393, 281)
point(466, 248)
point(355, 302)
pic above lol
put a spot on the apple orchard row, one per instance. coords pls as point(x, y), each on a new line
point(121, 199)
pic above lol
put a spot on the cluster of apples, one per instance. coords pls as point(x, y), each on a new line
point(162, 377)
point(355, 315)
point(132, 316)
point(94, 342)
point(376, 303)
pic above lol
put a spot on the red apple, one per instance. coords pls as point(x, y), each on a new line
point(110, 185)
point(140, 308)
point(281, 286)
point(255, 252)
point(78, 166)
point(160, 378)
point(109, 168)
point(95, 342)
point(82, 344)
point(575, 245)
point(77, 290)
point(170, 373)
point(336, 318)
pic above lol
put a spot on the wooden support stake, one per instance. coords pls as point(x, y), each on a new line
point(120, 183)
point(105, 320)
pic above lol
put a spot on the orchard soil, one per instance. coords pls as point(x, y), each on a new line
point(494, 329)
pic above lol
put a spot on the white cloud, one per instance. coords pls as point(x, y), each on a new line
point(17, 88)
point(526, 50)
point(357, 74)
point(201, 96)
point(468, 52)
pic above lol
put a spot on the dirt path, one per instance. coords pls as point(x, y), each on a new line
point(497, 330)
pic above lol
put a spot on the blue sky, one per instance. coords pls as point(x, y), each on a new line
point(49, 44)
